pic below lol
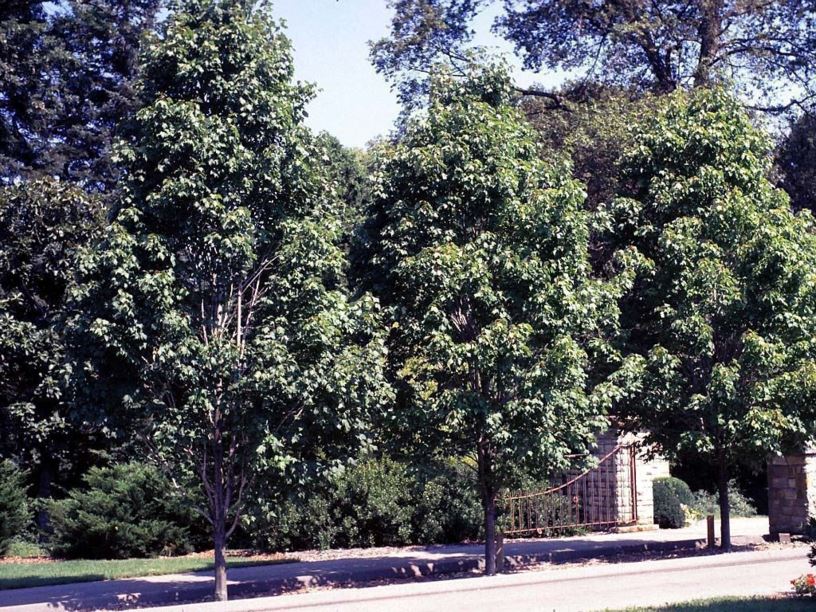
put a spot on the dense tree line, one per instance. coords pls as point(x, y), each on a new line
point(190, 277)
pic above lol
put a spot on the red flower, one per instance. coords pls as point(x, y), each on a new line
point(811, 580)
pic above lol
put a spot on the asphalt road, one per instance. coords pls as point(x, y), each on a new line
point(370, 565)
point(590, 587)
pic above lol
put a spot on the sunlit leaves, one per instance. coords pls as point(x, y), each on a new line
point(720, 319)
point(497, 320)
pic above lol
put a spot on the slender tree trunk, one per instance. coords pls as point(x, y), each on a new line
point(490, 534)
point(489, 505)
point(725, 504)
point(44, 481)
point(219, 517)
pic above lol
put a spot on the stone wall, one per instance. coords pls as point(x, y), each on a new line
point(791, 492)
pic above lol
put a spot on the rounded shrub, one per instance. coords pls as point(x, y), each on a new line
point(15, 514)
point(128, 510)
point(376, 502)
point(670, 495)
point(709, 503)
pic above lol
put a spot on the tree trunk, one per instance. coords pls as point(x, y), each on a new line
point(220, 560)
point(725, 504)
point(219, 517)
point(490, 533)
point(488, 490)
point(709, 32)
point(44, 481)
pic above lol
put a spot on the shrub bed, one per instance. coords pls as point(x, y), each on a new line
point(378, 502)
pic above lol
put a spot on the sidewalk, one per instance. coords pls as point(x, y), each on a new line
point(404, 563)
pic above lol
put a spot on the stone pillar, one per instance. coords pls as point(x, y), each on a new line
point(647, 470)
point(791, 492)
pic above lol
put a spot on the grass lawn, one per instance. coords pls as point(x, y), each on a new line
point(21, 575)
point(736, 604)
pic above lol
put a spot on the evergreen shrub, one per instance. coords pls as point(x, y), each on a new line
point(15, 514)
point(670, 496)
point(124, 511)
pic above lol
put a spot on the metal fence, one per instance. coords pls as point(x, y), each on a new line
point(603, 497)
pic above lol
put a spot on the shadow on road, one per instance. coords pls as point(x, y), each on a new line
point(433, 562)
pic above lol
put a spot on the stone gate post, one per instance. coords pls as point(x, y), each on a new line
point(791, 492)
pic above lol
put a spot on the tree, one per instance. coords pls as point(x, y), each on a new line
point(594, 132)
point(719, 322)
point(220, 281)
point(768, 48)
point(43, 224)
point(68, 72)
point(482, 256)
point(796, 161)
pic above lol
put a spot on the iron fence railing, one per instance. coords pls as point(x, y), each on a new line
point(602, 497)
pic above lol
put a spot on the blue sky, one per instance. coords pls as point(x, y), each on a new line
point(330, 40)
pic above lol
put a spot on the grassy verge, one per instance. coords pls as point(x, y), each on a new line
point(736, 604)
point(22, 575)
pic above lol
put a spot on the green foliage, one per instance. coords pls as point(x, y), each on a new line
point(670, 495)
point(496, 320)
point(43, 224)
point(15, 515)
point(128, 510)
point(374, 505)
point(678, 488)
point(378, 502)
point(706, 503)
point(796, 162)
point(447, 508)
point(69, 69)
point(594, 131)
point(25, 548)
point(216, 311)
point(719, 323)
point(481, 250)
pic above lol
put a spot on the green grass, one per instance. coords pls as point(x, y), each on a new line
point(736, 604)
point(22, 575)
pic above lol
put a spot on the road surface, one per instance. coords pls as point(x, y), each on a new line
point(590, 587)
point(359, 567)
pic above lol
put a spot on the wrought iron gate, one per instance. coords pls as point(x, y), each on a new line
point(602, 497)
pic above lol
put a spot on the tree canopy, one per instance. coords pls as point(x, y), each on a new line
point(767, 48)
point(219, 286)
point(43, 225)
point(720, 320)
point(67, 72)
point(496, 320)
point(796, 162)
